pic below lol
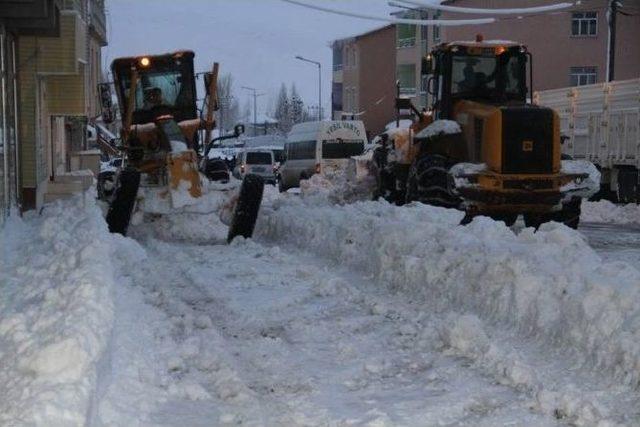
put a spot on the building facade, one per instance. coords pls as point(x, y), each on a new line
point(569, 47)
point(57, 86)
point(33, 18)
point(363, 84)
point(413, 42)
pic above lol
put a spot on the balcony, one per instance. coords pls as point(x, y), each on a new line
point(406, 42)
point(408, 91)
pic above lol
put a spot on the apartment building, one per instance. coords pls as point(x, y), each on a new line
point(569, 47)
point(363, 85)
point(35, 18)
point(413, 42)
point(56, 83)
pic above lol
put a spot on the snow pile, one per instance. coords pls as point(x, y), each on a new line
point(56, 302)
point(462, 171)
point(585, 187)
point(549, 285)
point(604, 211)
point(197, 223)
point(439, 127)
point(344, 186)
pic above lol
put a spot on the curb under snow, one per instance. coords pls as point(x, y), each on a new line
point(549, 285)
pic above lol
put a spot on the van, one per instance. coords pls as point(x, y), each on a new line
point(320, 147)
point(257, 162)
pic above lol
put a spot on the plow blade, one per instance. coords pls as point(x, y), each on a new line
point(184, 179)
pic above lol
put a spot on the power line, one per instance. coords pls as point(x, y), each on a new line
point(420, 22)
point(516, 11)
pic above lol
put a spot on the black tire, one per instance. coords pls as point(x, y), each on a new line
point(508, 219)
point(281, 186)
point(120, 209)
point(247, 207)
point(428, 182)
point(570, 213)
point(569, 216)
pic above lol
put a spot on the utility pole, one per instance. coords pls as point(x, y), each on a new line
point(255, 108)
point(611, 48)
point(319, 83)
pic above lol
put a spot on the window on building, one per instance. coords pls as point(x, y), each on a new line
point(336, 96)
point(347, 52)
point(580, 76)
point(436, 28)
point(406, 74)
point(353, 57)
point(337, 57)
point(584, 24)
point(405, 35)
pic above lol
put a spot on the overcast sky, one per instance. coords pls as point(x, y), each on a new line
point(254, 40)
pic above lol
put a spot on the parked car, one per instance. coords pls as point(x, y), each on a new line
point(319, 147)
point(259, 162)
point(216, 169)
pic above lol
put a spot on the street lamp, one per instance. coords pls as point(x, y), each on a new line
point(255, 108)
point(319, 83)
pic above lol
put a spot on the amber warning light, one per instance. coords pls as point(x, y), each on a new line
point(145, 62)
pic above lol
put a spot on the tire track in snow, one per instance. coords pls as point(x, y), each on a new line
point(302, 343)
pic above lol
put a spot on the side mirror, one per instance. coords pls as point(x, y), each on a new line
point(238, 130)
point(105, 102)
point(427, 65)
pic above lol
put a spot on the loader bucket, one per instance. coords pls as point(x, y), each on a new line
point(184, 178)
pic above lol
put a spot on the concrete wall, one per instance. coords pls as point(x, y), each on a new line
point(549, 39)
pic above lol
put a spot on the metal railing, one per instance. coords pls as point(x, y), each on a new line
point(408, 91)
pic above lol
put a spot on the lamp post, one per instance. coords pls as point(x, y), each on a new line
point(319, 83)
point(255, 108)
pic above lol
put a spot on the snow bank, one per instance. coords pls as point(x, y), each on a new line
point(342, 187)
point(440, 127)
point(549, 285)
point(56, 300)
point(606, 212)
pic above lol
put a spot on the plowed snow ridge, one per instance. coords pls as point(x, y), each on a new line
point(549, 285)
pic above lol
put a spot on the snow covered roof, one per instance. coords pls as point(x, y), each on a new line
point(361, 35)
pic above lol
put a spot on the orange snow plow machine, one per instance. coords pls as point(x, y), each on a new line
point(481, 147)
point(160, 130)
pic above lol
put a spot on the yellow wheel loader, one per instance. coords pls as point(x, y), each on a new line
point(481, 146)
point(160, 147)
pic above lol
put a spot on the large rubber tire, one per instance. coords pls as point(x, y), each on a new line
point(281, 187)
point(247, 207)
point(508, 219)
point(121, 208)
point(569, 216)
point(428, 182)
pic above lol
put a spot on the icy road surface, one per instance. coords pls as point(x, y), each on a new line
point(614, 242)
point(256, 335)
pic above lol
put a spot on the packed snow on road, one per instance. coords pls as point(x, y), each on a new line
point(340, 314)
